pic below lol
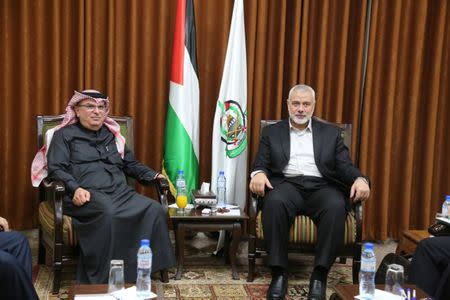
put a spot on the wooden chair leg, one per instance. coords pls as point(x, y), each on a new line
point(56, 280)
point(164, 276)
point(251, 258)
point(251, 267)
point(57, 267)
point(356, 265)
point(41, 249)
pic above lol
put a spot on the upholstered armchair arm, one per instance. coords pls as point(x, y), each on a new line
point(54, 192)
point(253, 205)
point(162, 189)
point(252, 213)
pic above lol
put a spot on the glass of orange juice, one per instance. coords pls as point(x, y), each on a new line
point(181, 201)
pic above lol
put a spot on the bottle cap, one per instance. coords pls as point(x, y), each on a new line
point(368, 246)
point(223, 173)
point(447, 198)
point(180, 172)
point(145, 242)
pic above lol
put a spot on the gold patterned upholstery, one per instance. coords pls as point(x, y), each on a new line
point(47, 223)
point(303, 233)
point(304, 230)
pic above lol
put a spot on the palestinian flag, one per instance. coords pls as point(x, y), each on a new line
point(181, 144)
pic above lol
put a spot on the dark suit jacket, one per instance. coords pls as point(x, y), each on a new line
point(331, 155)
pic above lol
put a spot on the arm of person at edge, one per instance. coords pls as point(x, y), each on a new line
point(359, 190)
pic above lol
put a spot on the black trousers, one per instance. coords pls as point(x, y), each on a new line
point(15, 267)
point(430, 267)
point(314, 197)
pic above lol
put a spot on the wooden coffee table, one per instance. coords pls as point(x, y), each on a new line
point(409, 240)
point(80, 289)
point(196, 221)
point(349, 291)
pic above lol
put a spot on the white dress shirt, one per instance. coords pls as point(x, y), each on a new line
point(301, 160)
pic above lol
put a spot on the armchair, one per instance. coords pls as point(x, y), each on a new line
point(303, 233)
point(58, 243)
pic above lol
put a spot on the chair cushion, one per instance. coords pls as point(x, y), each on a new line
point(304, 231)
point(46, 219)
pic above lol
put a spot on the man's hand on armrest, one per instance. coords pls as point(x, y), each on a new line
point(258, 184)
point(360, 190)
point(80, 197)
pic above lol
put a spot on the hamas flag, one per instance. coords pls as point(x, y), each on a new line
point(229, 140)
point(181, 139)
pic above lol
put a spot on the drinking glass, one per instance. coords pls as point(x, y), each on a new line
point(394, 280)
point(181, 201)
point(116, 280)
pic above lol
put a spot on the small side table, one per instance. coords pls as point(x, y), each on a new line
point(196, 221)
point(409, 241)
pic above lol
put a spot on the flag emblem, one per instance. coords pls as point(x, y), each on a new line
point(233, 128)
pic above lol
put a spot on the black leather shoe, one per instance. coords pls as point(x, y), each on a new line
point(317, 290)
point(278, 287)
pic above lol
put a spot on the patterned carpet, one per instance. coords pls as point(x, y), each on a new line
point(212, 282)
point(216, 283)
point(208, 277)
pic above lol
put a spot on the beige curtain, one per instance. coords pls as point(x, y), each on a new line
point(50, 48)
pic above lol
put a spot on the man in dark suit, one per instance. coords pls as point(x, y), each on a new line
point(302, 165)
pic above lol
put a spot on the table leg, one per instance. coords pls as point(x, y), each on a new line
point(180, 249)
point(226, 246)
point(236, 237)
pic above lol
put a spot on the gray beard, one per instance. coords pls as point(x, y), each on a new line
point(301, 121)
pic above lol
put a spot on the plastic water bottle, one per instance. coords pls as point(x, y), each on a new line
point(180, 183)
point(181, 197)
point(221, 189)
point(367, 272)
point(144, 270)
point(446, 207)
